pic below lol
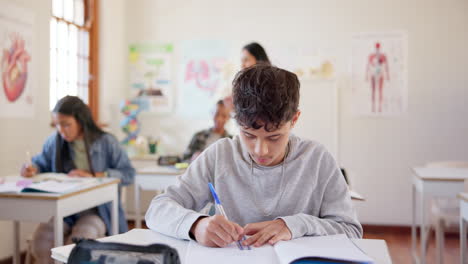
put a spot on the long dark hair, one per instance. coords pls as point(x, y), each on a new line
point(258, 52)
point(75, 107)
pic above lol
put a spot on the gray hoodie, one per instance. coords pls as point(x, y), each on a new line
point(306, 190)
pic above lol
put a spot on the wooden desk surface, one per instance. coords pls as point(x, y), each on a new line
point(441, 174)
point(57, 196)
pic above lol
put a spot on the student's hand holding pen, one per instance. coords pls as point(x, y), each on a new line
point(266, 232)
point(28, 170)
point(216, 231)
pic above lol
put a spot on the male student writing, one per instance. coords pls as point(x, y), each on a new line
point(274, 186)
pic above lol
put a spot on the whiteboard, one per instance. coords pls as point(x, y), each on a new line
point(319, 113)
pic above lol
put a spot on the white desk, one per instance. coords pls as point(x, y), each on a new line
point(152, 178)
point(431, 182)
point(376, 249)
point(463, 225)
point(41, 207)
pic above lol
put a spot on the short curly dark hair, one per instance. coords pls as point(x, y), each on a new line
point(265, 96)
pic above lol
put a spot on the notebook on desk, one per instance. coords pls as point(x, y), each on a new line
point(46, 183)
point(58, 183)
point(323, 249)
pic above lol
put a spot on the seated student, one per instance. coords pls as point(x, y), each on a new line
point(273, 185)
point(80, 149)
point(202, 139)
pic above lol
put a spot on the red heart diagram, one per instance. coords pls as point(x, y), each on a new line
point(14, 68)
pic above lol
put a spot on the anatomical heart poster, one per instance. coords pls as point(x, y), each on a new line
point(16, 57)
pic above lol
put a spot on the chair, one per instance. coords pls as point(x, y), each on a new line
point(445, 212)
point(345, 175)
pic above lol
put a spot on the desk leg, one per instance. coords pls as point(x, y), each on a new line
point(462, 240)
point(422, 207)
point(413, 225)
point(115, 215)
point(16, 244)
point(137, 205)
point(58, 231)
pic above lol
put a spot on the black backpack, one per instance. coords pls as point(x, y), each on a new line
point(89, 251)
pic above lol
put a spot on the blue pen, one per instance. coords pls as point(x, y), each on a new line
point(221, 210)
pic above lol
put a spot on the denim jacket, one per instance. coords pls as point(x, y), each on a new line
point(106, 156)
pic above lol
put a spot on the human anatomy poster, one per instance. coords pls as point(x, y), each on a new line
point(16, 57)
point(379, 74)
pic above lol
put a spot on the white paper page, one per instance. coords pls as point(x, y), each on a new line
point(65, 185)
point(10, 187)
point(197, 253)
point(52, 175)
point(54, 187)
point(336, 247)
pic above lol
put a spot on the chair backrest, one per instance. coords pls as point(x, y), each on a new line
point(345, 175)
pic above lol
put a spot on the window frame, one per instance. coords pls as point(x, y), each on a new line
point(91, 25)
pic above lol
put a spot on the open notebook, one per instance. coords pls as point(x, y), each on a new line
point(324, 249)
point(46, 182)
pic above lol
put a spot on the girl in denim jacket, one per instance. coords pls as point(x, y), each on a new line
point(79, 148)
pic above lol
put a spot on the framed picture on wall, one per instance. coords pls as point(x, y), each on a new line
point(17, 59)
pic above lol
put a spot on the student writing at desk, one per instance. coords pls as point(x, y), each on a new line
point(273, 185)
point(203, 139)
point(80, 149)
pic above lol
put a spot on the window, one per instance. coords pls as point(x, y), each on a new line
point(73, 51)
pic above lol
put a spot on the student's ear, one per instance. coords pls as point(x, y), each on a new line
point(295, 118)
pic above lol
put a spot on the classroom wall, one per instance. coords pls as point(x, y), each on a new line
point(16, 137)
point(379, 151)
point(112, 67)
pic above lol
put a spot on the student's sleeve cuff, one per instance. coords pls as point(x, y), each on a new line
point(183, 231)
point(36, 166)
point(296, 225)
